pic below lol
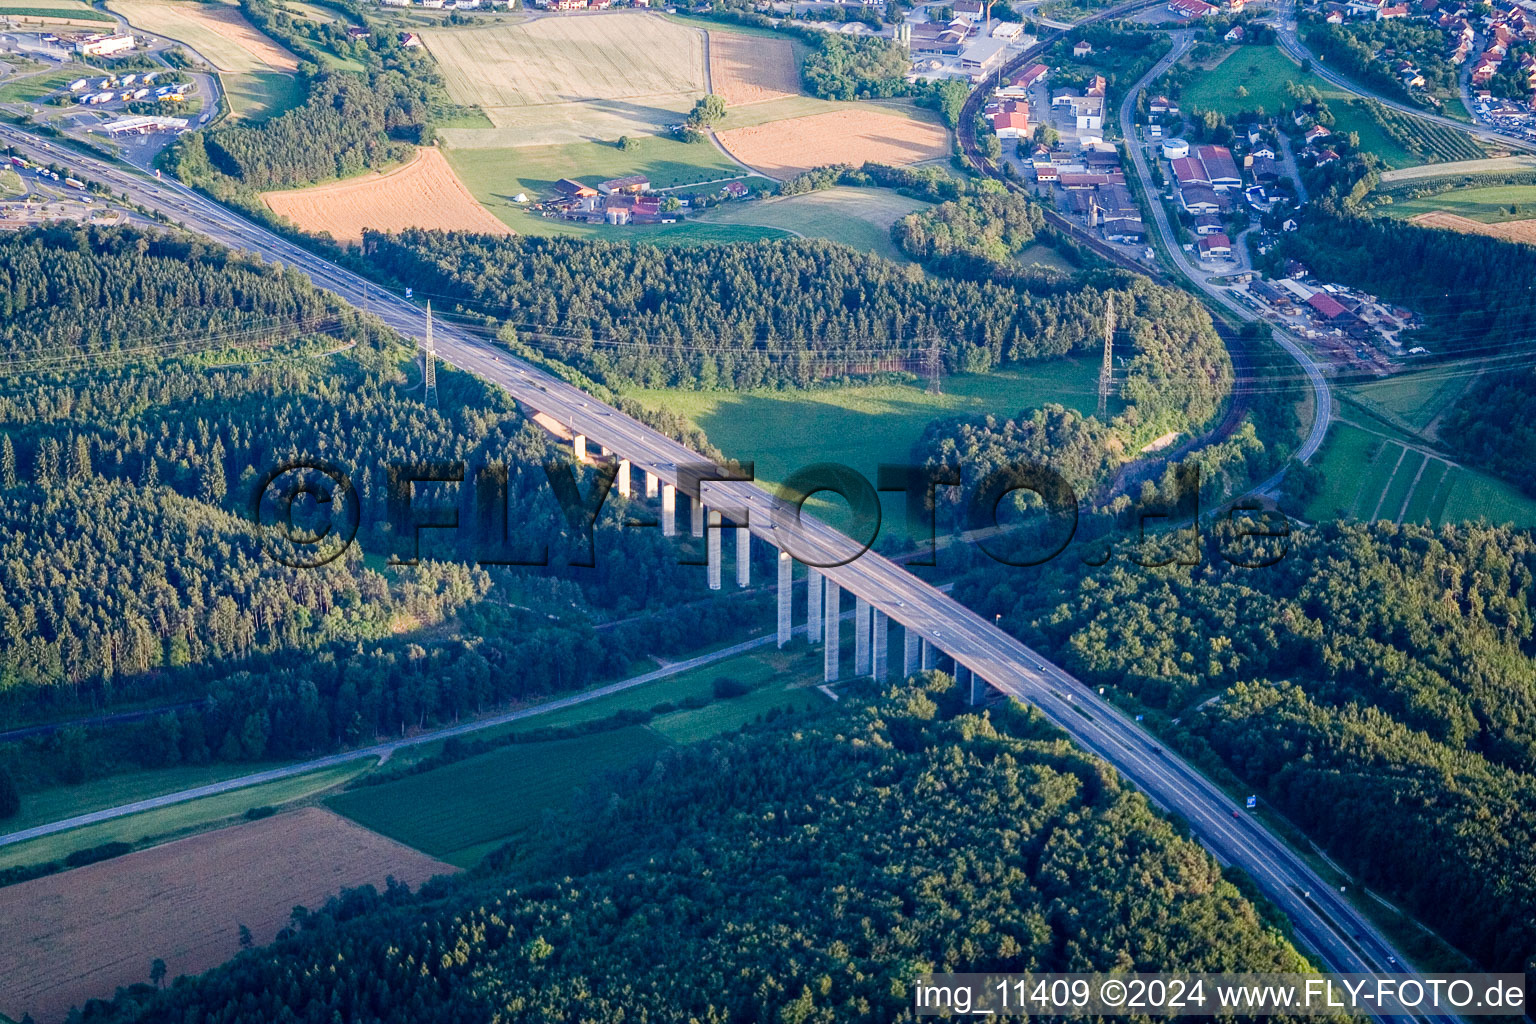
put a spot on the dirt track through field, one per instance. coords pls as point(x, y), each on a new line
point(424, 193)
point(751, 69)
point(785, 148)
point(83, 933)
point(1509, 230)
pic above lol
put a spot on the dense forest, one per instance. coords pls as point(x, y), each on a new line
point(797, 313)
point(1376, 682)
point(989, 227)
point(348, 124)
point(802, 872)
point(68, 293)
point(133, 572)
point(1493, 424)
point(845, 67)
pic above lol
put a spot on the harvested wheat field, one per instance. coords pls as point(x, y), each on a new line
point(1509, 230)
point(217, 32)
point(556, 80)
point(751, 69)
point(424, 193)
point(785, 148)
point(83, 933)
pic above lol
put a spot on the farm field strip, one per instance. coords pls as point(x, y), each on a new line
point(860, 217)
point(82, 934)
point(216, 31)
point(1489, 204)
point(784, 148)
point(259, 94)
point(1369, 476)
point(54, 10)
point(180, 818)
point(747, 69)
point(1509, 230)
point(1416, 400)
point(553, 80)
point(464, 809)
point(492, 795)
point(424, 193)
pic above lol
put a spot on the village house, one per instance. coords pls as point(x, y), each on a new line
point(1215, 247)
point(1198, 199)
point(1208, 224)
point(1012, 121)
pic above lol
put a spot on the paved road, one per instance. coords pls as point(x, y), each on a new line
point(1321, 397)
point(1290, 41)
point(1340, 936)
point(382, 751)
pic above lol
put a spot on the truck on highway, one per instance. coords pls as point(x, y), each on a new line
point(75, 183)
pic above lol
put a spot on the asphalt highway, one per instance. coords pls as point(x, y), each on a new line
point(1341, 937)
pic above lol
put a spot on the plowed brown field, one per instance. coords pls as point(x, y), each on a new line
point(83, 933)
point(1509, 230)
point(425, 193)
point(785, 148)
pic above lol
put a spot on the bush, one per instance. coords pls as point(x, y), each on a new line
point(725, 687)
point(94, 854)
point(10, 800)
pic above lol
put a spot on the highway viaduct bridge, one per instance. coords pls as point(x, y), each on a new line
point(824, 583)
point(1336, 931)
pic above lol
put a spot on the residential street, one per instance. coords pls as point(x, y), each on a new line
point(1200, 276)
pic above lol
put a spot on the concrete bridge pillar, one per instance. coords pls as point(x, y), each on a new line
point(652, 483)
point(714, 551)
point(696, 512)
point(743, 556)
point(930, 656)
point(622, 480)
point(860, 636)
point(579, 447)
point(834, 620)
point(786, 597)
point(976, 692)
point(910, 644)
point(813, 591)
point(668, 511)
point(604, 450)
point(878, 668)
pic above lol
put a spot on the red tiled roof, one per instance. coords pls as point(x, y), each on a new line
point(1326, 305)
